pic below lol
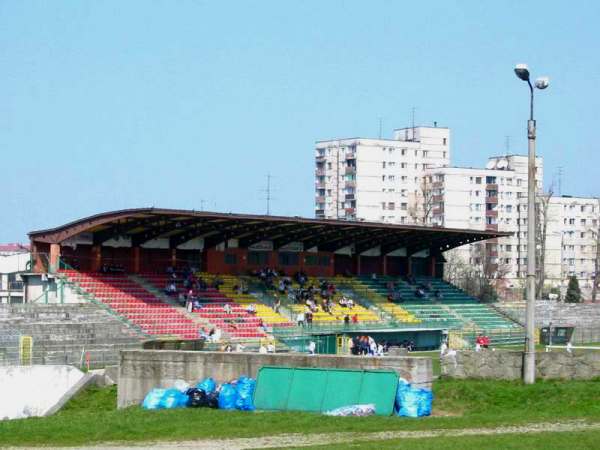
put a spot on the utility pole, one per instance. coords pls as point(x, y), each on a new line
point(560, 175)
point(413, 110)
point(507, 144)
point(380, 127)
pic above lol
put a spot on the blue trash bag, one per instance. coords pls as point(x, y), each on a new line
point(245, 394)
point(411, 401)
point(425, 402)
point(173, 398)
point(207, 385)
point(152, 399)
point(227, 397)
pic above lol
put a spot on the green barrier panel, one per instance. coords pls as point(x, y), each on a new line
point(320, 390)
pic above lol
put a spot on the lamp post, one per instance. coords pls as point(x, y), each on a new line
point(522, 72)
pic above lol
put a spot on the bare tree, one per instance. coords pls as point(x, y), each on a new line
point(421, 206)
point(542, 206)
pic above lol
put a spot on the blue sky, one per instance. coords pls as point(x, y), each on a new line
point(189, 104)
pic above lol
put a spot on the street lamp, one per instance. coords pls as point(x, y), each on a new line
point(522, 72)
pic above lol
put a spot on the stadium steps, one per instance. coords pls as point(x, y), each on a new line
point(151, 287)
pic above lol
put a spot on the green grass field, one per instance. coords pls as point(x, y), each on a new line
point(92, 418)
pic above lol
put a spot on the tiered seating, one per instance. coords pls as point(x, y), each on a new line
point(132, 301)
point(238, 324)
point(337, 312)
point(399, 313)
point(264, 312)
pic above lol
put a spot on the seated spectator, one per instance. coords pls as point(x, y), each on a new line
point(227, 308)
point(282, 287)
point(373, 276)
point(343, 301)
point(355, 318)
point(239, 347)
point(251, 308)
point(437, 294)
point(270, 347)
point(262, 349)
point(350, 303)
point(300, 319)
point(277, 305)
point(420, 293)
point(171, 288)
point(346, 319)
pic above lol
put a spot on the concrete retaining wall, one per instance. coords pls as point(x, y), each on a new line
point(32, 391)
point(508, 365)
point(142, 370)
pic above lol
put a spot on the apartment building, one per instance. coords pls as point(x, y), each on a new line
point(409, 180)
point(571, 240)
point(377, 179)
point(492, 198)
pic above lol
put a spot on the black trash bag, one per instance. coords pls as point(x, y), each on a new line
point(212, 400)
point(196, 398)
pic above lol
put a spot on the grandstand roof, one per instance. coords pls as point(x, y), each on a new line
point(179, 226)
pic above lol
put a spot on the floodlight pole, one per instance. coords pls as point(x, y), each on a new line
point(529, 362)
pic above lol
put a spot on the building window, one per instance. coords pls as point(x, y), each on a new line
point(258, 258)
point(230, 258)
point(477, 180)
point(444, 142)
point(288, 259)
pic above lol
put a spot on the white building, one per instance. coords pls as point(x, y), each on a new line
point(377, 179)
point(409, 180)
point(14, 260)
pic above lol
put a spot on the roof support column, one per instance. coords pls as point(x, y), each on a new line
point(174, 257)
point(54, 258)
point(358, 268)
point(409, 265)
point(96, 258)
point(432, 266)
point(384, 265)
point(136, 259)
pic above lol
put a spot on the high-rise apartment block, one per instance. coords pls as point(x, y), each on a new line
point(409, 180)
point(377, 179)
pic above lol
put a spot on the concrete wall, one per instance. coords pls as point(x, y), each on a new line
point(142, 370)
point(504, 365)
point(33, 391)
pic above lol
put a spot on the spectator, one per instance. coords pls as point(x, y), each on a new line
point(437, 294)
point(569, 347)
point(346, 319)
point(312, 347)
point(251, 308)
point(262, 349)
point(270, 347)
point(227, 308)
point(355, 318)
point(277, 304)
point(420, 293)
point(300, 319)
point(309, 318)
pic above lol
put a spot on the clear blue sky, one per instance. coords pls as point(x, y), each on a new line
point(114, 104)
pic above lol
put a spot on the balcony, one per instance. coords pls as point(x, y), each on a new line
point(493, 199)
point(320, 199)
point(350, 156)
point(320, 184)
point(320, 158)
point(492, 187)
point(350, 183)
point(320, 172)
point(491, 213)
point(350, 210)
point(349, 197)
point(437, 198)
point(350, 170)
point(491, 227)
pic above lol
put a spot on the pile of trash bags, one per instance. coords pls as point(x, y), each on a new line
point(237, 394)
point(412, 401)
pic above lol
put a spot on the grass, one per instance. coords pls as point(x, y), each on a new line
point(91, 417)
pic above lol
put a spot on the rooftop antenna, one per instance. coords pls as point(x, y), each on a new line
point(267, 191)
point(507, 145)
point(413, 110)
point(560, 175)
point(202, 201)
point(380, 126)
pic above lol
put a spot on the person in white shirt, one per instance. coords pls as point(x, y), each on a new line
point(227, 308)
point(262, 349)
point(312, 347)
point(443, 348)
point(239, 347)
point(251, 309)
point(300, 319)
point(270, 348)
point(569, 347)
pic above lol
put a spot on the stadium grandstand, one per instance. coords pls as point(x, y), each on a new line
point(244, 278)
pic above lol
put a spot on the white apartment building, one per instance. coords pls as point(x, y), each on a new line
point(377, 179)
point(493, 198)
point(571, 239)
point(408, 180)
